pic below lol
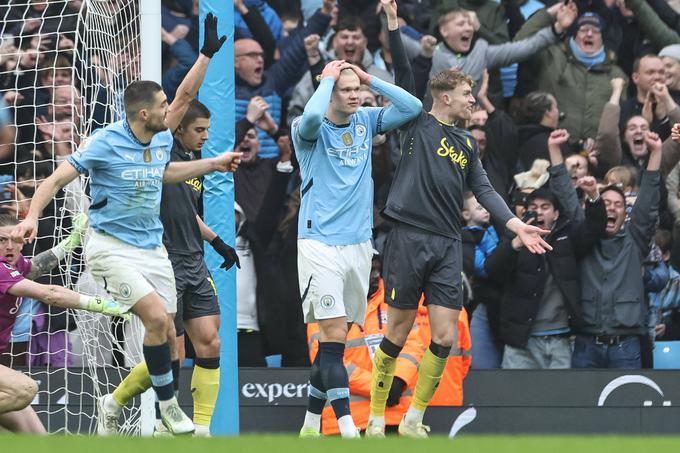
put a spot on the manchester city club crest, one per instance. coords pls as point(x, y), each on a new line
point(159, 153)
point(347, 139)
point(327, 301)
point(361, 130)
point(147, 155)
point(125, 290)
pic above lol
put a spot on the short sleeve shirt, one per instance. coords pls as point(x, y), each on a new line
point(126, 180)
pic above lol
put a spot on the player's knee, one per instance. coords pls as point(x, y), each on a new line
point(397, 333)
point(213, 346)
point(172, 330)
point(25, 391)
point(156, 323)
point(207, 345)
point(443, 337)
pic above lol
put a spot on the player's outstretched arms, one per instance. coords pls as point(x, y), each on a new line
point(28, 228)
point(188, 89)
point(44, 262)
point(181, 171)
point(65, 298)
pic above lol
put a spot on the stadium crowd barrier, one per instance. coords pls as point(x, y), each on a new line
point(496, 401)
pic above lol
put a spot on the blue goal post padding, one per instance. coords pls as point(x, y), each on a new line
point(217, 93)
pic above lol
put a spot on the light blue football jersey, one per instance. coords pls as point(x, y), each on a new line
point(337, 187)
point(126, 179)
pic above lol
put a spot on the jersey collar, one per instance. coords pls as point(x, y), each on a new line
point(132, 135)
point(336, 125)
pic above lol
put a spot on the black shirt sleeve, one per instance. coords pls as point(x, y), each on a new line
point(479, 183)
point(261, 33)
point(403, 75)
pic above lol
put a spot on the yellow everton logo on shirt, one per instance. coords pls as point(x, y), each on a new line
point(147, 155)
point(347, 139)
point(457, 157)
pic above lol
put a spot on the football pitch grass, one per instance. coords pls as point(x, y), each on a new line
point(290, 444)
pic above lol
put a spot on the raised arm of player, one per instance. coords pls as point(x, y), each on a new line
point(403, 73)
point(308, 126)
point(28, 228)
point(188, 89)
point(181, 171)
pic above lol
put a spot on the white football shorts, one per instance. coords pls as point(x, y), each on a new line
point(334, 280)
point(129, 273)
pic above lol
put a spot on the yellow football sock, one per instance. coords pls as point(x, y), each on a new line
point(136, 383)
point(205, 384)
point(381, 381)
point(429, 374)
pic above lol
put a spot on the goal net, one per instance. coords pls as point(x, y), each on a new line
point(64, 65)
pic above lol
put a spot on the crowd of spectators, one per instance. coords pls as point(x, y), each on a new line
point(602, 73)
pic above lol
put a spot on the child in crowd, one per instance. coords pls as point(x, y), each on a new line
point(479, 240)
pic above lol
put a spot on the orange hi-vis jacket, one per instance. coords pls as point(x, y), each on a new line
point(359, 349)
point(450, 390)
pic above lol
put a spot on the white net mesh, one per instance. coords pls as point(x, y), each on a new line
point(63, 67)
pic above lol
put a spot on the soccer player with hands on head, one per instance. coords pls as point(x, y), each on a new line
point(333, 141)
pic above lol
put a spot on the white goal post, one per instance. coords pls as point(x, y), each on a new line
point(63, 67)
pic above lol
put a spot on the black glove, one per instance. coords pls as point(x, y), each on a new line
point(228, 253)
point(211, 43)
point(398, 386)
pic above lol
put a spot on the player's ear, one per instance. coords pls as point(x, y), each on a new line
point(446, 98)
point(466, 214)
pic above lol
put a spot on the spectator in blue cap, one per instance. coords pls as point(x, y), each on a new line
point(576, 70)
